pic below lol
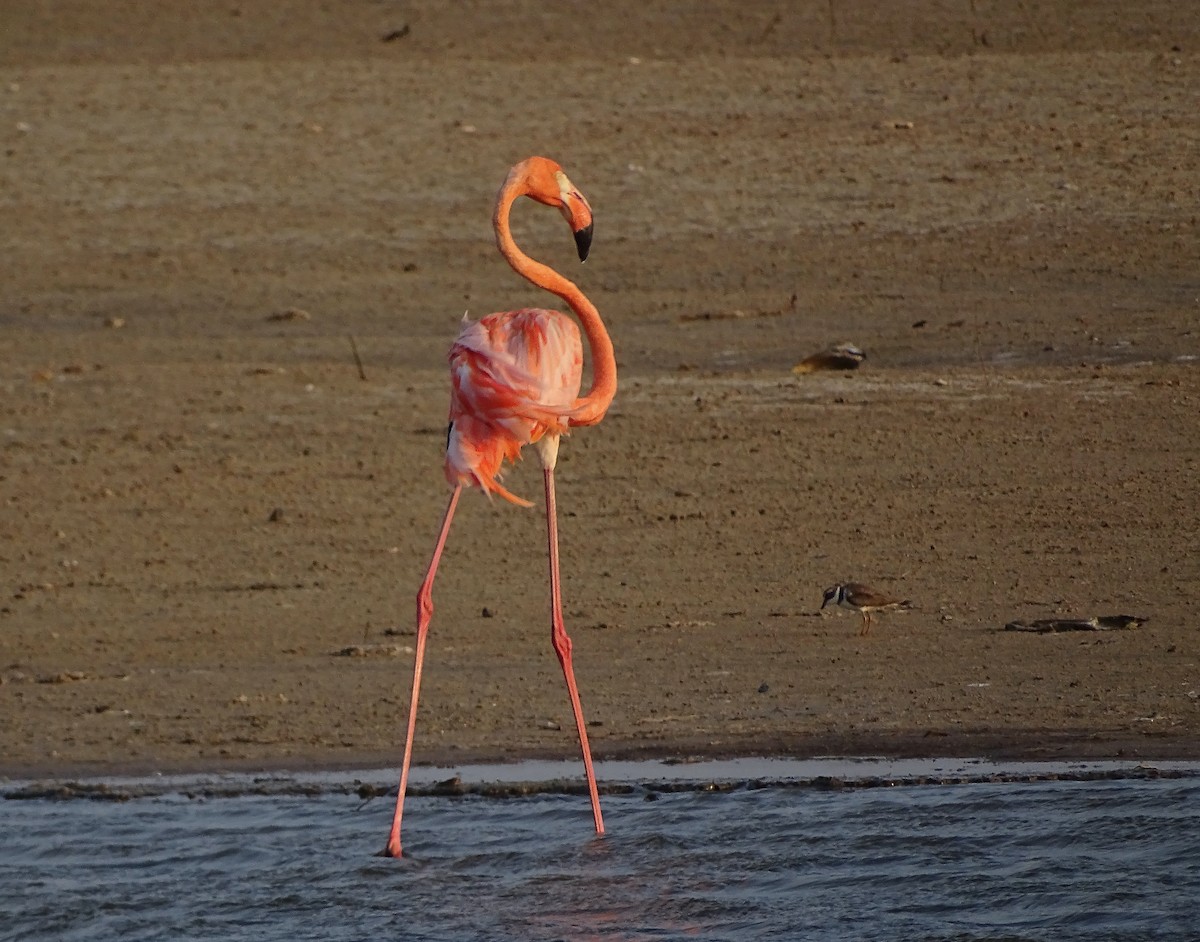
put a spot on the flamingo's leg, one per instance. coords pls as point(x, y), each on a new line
point(424, 614)
point(562, 646)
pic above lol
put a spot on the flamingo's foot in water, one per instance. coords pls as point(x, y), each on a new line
point(392, 849)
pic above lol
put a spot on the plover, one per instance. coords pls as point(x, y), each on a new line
point(862, 599)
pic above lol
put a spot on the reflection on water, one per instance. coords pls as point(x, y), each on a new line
point(775, 857)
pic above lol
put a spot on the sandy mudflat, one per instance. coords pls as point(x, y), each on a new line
point(203, 501)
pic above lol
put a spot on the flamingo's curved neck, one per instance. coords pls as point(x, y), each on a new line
point(589, 408)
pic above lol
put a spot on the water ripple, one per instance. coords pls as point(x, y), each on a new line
point(1106, 859)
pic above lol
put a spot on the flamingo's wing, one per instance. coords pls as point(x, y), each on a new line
point(520, 370)
point(514, 378)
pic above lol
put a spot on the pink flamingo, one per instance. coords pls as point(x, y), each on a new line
point(515, 381)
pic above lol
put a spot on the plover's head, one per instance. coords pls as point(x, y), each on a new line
point(832, 594)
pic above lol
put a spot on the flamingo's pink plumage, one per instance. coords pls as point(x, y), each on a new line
point(514, 378)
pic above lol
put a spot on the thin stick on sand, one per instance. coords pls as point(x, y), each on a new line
point(362, 374)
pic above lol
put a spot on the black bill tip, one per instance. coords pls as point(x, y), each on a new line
point(583, 241)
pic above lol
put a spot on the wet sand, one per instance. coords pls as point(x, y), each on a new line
point(206, 503)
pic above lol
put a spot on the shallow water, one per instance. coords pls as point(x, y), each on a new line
point(717, 851)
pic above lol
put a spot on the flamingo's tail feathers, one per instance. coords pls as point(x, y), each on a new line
point(495, 487)
point(475, 454)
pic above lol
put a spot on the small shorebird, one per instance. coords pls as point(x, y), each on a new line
point(843, 356)
point(862, 599)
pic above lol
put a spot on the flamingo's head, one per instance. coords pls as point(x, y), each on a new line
point(546, 183)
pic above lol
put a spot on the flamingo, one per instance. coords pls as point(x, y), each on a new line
point(515, 381)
